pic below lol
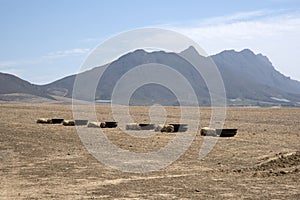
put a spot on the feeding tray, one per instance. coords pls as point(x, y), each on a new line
point(147, 126)
point(81, 122)
point(180, 127)
point(111, 124)
point(226, 132)
point(56, 120)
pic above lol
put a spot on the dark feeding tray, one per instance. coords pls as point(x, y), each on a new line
point(81, 122)
point(180, 127)
point(56, 121)
point(147, 126)
point(226, 132)
point(111, 124)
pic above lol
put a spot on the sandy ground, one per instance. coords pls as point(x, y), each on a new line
point(42, 161)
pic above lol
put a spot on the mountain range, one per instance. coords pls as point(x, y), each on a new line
point(249, 79)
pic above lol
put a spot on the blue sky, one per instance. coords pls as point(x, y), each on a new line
point(42, 41)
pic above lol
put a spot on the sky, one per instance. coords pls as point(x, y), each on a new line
point(44, 40)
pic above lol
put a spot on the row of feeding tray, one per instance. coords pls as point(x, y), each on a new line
point(76, 122)
point(112, 124)
point(143, 126)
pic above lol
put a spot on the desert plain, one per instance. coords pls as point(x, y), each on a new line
point(49, 161)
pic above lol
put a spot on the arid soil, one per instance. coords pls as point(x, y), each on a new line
point(48, 161)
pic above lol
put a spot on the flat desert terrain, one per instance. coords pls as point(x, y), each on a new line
point(49, 161)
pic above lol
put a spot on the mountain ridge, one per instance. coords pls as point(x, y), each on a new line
point(249, 78)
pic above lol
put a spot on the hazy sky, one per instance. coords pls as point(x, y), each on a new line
point(42, 41)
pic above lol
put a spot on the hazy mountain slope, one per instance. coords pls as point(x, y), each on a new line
point(62, 87)
point(251, 76)
point(10, 84)
point(256, 68)
point(140, 57)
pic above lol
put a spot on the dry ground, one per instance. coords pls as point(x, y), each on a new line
point(49, 161)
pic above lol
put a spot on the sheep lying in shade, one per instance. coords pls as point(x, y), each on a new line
point(44, 121)
point(96, 124)
point(164, 128)
point(206, 131)
point(69, 123)
point(133, 126)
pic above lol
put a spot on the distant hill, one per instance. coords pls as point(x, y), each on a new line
point(12, 88)
point(249, 79)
